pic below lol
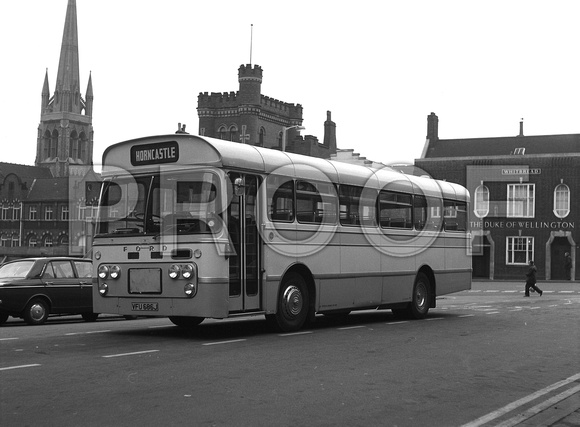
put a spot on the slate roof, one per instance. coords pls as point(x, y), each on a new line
point(502, 146)
point(51, 189)
point(24, 172)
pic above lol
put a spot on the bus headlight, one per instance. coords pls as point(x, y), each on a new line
point(190, 290)
point(174, 271)
point(115, 272)
point(187, 271)
point(103, 271)
point(103, 289)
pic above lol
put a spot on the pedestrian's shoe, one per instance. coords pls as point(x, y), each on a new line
point(541, 292)
point(526, 295)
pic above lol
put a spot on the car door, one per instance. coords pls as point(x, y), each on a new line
point(84, 272)
point(61, 286)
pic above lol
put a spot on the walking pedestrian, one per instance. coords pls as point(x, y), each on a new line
point(531, 280)
point(568, 265)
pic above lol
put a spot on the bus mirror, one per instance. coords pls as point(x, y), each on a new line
point(239, 187)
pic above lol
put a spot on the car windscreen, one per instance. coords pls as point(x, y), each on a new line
point(19, 269)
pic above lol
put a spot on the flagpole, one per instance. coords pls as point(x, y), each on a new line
point(251, 40)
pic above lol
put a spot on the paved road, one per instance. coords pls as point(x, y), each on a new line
point(365, 370)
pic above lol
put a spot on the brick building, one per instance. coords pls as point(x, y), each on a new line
point(524, 202)
point(249, 117)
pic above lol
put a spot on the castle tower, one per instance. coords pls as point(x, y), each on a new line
point(65, 132)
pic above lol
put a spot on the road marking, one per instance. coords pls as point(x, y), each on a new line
point(397, 323)
point(566, 292)
point(514, 405)
point(19, 367)
point(85, 333)
point(223, 342)
point(435, 318)
point(492, 312)
point(7, 339)
point(351, 327)
point(467, 315)
point(291, 334)
point(130, 354)
point(519, 418)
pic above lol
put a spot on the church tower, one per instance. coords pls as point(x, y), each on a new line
point(65, 132)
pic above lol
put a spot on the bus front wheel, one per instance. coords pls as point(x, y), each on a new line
point(293, 303)
point(419, 306)
point(185, 321)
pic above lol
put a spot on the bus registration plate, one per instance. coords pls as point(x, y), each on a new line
point(144, 306)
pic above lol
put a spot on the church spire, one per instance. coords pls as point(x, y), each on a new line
point(65, 132)
point(67, 92)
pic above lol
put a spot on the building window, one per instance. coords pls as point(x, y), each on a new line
point(562, 201)
point(481, 203)
point(222, 132)
point(48, 213)
point(279, 140)
point(521, 200)
point(48, 241)
point(5, 241)
point(233, 132)
point(5, 212)
point(16, 212)
point(15, 240)
point(32, 213)
point(64, 213)
point(520, 250)
point(262, 137)
point(32, 242)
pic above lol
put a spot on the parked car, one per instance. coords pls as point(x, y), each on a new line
point(34, 288)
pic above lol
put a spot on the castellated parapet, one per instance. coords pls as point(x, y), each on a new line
point(219, 100)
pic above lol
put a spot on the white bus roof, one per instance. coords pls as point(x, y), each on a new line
point(146, 154)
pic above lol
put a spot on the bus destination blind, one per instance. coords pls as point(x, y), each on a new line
point(152, 154)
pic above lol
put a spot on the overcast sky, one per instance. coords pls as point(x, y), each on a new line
point(380, 66)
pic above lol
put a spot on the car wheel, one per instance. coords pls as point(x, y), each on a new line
point(3, 318)
point(36, 312)
point(90, 317)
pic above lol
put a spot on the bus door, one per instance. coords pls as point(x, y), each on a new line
point(244, 263)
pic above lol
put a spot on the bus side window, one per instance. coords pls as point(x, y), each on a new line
point(315, 202)
point(455, 215)
point(395, 210)
point(281, 197)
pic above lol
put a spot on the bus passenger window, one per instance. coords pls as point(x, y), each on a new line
point(315, 202)
point(357, 206)
point(395, 210)
point(455, 215)
point(281, 199)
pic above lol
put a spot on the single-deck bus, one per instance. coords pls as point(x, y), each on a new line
point(192, 227)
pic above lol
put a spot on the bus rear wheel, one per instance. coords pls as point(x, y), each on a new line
point(293, 304)
point(186, 321)
point(419, 306)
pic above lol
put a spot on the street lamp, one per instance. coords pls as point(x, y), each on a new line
point(285, 129)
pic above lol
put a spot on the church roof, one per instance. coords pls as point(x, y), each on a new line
point(503, 146)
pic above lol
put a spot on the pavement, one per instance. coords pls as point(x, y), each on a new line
point(562, 410)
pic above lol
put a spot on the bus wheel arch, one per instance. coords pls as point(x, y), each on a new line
point(295, 301)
